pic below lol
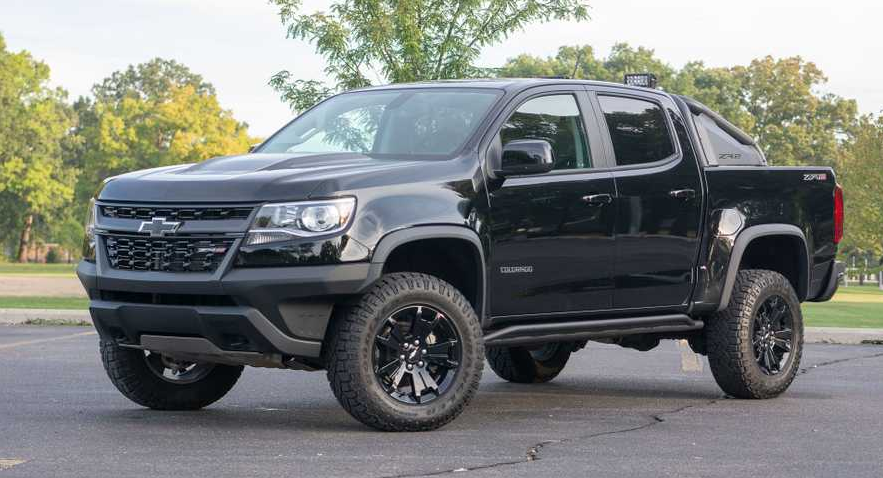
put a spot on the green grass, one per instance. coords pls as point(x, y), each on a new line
point(37, 269)
point(860, 289)
point(56, 323)
point(843, 314)
point(43, 303)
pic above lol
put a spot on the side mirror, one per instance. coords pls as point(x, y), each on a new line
point(253, 147)
point(526, 156)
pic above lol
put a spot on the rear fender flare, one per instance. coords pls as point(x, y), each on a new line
point(743, 240)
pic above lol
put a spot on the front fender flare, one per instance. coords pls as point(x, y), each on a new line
point(394, 239)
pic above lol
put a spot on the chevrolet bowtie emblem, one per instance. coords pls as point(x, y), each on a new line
point(159, 227)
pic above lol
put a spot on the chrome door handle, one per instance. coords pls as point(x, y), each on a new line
point(683, 193)
point(598, 199)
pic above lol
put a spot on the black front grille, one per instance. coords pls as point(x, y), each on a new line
point(170, 254)
point(180, 213)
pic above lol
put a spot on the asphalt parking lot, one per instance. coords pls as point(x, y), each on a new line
point(613, 412)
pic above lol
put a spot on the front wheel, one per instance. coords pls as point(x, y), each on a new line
point(408, 356)
point(755, 344)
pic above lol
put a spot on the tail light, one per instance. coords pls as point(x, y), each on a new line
point(838, 214)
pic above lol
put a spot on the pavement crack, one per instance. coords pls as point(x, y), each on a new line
point(533, 452)
point(838, 361)
point(655, 419)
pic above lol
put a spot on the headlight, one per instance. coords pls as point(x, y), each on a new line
point(286, 221)
point(89, 239)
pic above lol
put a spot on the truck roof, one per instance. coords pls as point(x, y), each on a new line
point(507, 84)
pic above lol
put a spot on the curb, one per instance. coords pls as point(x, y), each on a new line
point(812, 335)
point(842, 336)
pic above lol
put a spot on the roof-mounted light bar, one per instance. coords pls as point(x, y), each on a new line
point(644, 80)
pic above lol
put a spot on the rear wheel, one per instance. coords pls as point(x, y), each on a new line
point(159, 382)
point(407, 357)
point(755, 344)
point(529, 365)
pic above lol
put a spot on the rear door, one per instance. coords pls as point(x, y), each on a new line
point(552, 234)
point(659, 203)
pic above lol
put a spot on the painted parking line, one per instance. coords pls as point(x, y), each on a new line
point(6, 464)
point(691, 362)
point(40, 341)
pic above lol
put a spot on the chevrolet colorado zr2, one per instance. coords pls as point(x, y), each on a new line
point(397, 237)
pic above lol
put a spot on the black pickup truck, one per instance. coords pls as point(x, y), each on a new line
point(398, 236)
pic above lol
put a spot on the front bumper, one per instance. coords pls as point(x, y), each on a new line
point(280, 312)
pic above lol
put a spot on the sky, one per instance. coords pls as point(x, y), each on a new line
point(238, 44)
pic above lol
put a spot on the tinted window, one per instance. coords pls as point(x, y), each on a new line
point(397, 123)
point(722, 148)
point(556, 119)
point(637, 130)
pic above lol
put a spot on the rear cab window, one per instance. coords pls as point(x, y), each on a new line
point(638, 130)
point(722, 148)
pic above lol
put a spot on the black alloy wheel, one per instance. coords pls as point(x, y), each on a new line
point(408, 355)
point(416, 354)
point(176, 371)
point(773, 329)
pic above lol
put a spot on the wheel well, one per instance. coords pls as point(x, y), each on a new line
point(455, 261)
point(785, 254)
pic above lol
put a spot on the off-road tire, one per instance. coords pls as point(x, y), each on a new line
point(131, 375)
point(350, 343)
point(730, 353)
point(519, 365)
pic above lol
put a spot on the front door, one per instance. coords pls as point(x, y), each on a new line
point(552, 233)
point(659, 200)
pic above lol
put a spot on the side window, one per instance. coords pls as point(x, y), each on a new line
point(723, 148)
point(637, 129)
point(556, 119)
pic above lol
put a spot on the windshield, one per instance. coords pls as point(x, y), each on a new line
point(416, 122)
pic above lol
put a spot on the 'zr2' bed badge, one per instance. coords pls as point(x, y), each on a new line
point(815, 177)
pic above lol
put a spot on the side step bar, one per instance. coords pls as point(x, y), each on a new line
point(590, 329)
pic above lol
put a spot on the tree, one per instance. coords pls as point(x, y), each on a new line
point(794, 125)
point(580, 62)
point(625, 59)
point(860, 171)
point(718, 88)
point(405, 40)
point(152, 81)
point(35, 182)
point(153, 114)
point(570, 62)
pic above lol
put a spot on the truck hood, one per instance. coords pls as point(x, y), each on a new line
point(246, 178)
